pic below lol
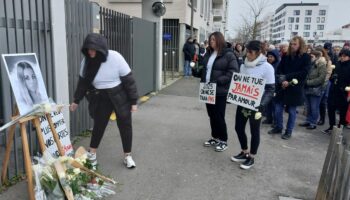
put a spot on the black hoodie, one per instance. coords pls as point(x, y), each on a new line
point(223, 68)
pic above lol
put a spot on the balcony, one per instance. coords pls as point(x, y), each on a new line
point(218, 14)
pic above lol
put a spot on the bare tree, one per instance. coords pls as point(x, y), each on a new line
point(251, 24)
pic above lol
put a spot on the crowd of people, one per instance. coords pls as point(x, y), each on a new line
point(316, 78)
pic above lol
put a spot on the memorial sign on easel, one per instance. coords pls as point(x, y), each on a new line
point(29, 89)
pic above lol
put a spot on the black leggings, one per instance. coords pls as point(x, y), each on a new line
point(241, 122)
point(101, 117)
point(216, 114)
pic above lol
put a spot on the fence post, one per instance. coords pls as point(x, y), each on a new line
point(165, 66)
point(173, 66)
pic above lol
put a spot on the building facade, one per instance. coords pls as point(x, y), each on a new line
point(308, 20)
point(208, 16)
point(266, 28)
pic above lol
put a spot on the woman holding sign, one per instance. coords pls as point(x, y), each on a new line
point(219, 65)
point(255, 65)
point(107, 82)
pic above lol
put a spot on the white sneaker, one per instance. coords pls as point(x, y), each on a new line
point(129, 162)
point(93, 159)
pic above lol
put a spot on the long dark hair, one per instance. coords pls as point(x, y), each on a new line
point(220, 42)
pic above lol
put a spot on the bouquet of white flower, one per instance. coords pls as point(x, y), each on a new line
point(69, 178)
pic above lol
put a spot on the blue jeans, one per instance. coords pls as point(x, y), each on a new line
point(279, 109)
point(187, 68)
point(313, 111)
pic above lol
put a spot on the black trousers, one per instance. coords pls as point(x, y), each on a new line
point(216, 115)
point(241, 122)
point(342, 108)
point(104, 109)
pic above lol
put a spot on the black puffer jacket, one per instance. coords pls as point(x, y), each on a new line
point(340, 79)
point(224, 66)
point(99, 43)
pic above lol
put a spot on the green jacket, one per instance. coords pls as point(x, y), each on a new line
point(317, 74)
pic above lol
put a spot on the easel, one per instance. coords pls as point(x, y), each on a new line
point(26, 155)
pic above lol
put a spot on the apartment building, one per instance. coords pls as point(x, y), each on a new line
point(308, 20)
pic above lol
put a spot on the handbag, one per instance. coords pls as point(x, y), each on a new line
point(315, 91)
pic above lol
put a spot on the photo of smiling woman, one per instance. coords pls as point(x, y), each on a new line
point(26, 80)
point(27, 76)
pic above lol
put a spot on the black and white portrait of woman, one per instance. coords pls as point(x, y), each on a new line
point(26, 80)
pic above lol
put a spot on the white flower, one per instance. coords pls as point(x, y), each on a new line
point(192, 64)
point(64, 159)
point(295, 81)
point(347, 89)
point(47, 108)
point(76, 171)
point(258, 115)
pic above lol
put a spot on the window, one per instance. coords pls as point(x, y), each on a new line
point(296, 12)
point(296, 27)
point(307, 19)
point(318, 19)
point(308, 12)
point(322, 12)
point(290, 19)
point(307, 27)
point(297, 19)
point(323, 19)
point(290, 26)
point(320, 27)
point(306, 34)
point(320, 34)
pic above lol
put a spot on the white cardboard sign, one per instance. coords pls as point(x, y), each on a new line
point(246, 91)
point(63, 134)
point(207, 93)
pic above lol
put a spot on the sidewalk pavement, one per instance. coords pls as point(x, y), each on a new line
point(172, 163)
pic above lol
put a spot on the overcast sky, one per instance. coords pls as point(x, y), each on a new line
point(339, 13)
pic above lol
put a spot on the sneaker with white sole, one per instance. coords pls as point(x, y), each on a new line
point(93, 159)
point(248, 163)
point(129, 162)
point(222, 146)
point(240, 157)
point(211, 142)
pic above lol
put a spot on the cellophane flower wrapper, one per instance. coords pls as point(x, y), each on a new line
point(83, 185)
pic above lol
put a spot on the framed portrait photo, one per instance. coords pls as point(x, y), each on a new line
point(26, 80)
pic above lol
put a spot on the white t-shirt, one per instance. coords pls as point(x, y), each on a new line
point(262, 70)
point(210, 65)
point(108, 76)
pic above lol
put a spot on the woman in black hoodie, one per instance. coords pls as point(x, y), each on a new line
point(220, 63)
point(107, 83)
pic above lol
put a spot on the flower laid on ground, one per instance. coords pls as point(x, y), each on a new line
point(69, 178)
point(347, 88)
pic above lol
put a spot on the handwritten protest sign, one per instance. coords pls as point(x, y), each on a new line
point(207, 93)
point(63, 134)
point(246, 91)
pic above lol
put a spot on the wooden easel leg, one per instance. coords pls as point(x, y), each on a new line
point(55, 135)
point(41, 141)
point(27, 161)
point(7, 153)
